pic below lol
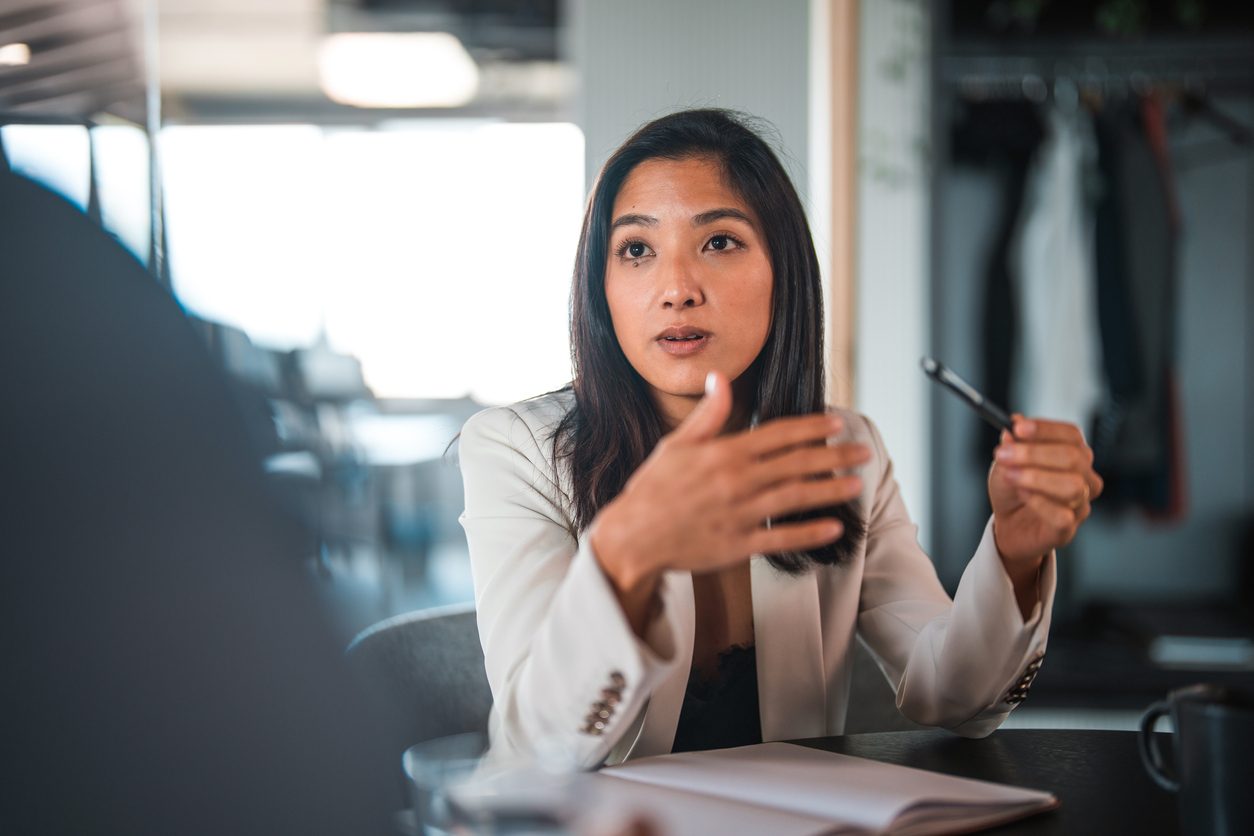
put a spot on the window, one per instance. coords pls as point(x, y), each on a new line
point(438, 254)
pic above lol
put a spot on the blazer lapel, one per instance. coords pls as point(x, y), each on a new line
point(792, 685)
point(662, 714)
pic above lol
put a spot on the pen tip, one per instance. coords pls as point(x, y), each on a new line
point(929, 365)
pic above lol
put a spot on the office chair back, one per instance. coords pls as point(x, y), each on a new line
point(426, 670)
point(428, 665)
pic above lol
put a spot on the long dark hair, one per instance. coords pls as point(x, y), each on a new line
point(614, 424)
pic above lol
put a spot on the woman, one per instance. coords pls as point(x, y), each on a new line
point(671, 553)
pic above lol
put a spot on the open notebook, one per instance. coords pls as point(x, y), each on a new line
point(781, 788)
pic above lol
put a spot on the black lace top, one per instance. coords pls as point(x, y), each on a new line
point(723, 711)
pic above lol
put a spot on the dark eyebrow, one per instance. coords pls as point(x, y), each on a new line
point(633, 220)
point(718, 214)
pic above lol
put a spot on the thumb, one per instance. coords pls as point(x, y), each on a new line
point(710, 415)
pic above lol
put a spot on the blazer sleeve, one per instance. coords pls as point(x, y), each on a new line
point(568, 675)
point(962, 664)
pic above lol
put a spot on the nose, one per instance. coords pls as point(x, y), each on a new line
point(681, 286)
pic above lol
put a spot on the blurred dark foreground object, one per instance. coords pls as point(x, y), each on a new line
point(165, 668)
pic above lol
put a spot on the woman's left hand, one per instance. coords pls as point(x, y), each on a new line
point(1041, 486)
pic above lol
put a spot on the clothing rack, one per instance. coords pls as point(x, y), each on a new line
point(1192, 72)
point(1014, 73)
point(998, 71)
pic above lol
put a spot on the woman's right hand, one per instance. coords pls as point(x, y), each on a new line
point(700, 501)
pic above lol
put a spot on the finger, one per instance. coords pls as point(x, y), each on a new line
point(1069, 489)
point(799, 495)
point(1059, 521)
point(1066, 458)
point(1041, 429)
point(1082, 510)
point(710, 415)
point(780, 434)
point(1050, 456)
point(795, 537)
point(1096, 484)
point(802, 462)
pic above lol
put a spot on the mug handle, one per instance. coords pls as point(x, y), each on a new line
point(1151, 755)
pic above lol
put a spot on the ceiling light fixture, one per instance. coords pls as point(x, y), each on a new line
point(384, 69)
point(14, 55)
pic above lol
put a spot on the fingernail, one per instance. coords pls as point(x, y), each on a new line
point(1026, 427)
point(1014, 474)
point(837, 423)
point(710, 382)
point(1005, 454)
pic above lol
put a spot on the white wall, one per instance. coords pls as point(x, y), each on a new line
point(641, 59)
point(892, 328)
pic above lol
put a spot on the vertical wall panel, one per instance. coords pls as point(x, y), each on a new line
point(645, 58)
point(892, 279)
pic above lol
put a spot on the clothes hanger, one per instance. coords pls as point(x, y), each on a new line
point(1237, 140)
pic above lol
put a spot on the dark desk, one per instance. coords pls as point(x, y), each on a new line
point(1097, 775)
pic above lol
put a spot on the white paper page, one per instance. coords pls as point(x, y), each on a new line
point(678, 813)
point(592, 802)
point(837, 788)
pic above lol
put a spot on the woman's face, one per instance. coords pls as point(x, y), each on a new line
point(688, 279)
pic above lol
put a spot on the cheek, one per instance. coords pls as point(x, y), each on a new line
point(767, 306)
point(622, 311)
point(759, 305)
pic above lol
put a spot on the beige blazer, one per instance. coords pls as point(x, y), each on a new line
point(571, 680)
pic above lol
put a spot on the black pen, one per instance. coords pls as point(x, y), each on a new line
point(988, 410)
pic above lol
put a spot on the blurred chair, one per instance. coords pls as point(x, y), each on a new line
point(431, 664)
point(321, 376)
point(293, 404)
point(256, 378)
point(319, 386)
point(428, 667)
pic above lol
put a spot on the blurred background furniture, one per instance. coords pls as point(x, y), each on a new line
point(428, 668)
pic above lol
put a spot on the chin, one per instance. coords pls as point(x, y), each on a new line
point(687, 385)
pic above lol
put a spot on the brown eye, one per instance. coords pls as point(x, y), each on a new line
point(635, 249)
point(720, 242)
